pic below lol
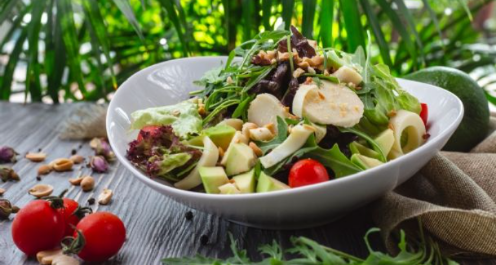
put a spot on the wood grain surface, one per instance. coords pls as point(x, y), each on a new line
point(156, 225)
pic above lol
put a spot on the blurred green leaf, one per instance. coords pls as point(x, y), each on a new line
point(352, 24)
point(326, 22)
point(308, 16)
point(287, 12)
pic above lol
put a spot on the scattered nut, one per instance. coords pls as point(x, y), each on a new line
point(87, 183)
point(62, 164)
point(261, 134)
point(246, 129)
point(6, 209)
point(44, 169)
point(76, 181)
point(41, 190)
point(201, 109)
point(229, 80)
point(65, 260)
point(105, 197)
point(46, 257)
point(36, 157)
point(298, 72)
point(77, 159)
point(2, 191)
point(271, 127)
point(256, 149)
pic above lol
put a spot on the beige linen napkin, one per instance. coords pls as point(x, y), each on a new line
point(454, 196)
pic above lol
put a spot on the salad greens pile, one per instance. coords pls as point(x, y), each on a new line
point(279, 99)
point(308, 252)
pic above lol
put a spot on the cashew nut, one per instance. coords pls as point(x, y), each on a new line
point(41, 190)
point(87, 183)
point(261, 134)
point(36, 157)
point(105, 197)
point(247, 127)
point(65, 260)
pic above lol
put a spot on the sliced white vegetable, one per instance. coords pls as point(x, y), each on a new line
point(320, 132)
point(295, 141)
point(301, 94)
point(346, 74)
point(209, 158)
point(229, 188)
point(261, 134)
point(330, 104)
point(237, 138)
point(411, 124)
point(264, 109)
point(237, 124)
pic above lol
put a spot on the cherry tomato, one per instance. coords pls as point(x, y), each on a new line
point(72, 215)
point(104, 234)
point(149, 129)
point(38, 226)
point(307, 172)
point(424, 113)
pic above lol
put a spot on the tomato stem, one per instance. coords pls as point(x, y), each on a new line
point(81, 212)
point(73, 245)
point(55, 201)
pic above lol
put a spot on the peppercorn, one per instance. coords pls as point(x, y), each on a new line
point(73, 151)
point(188, 215)
point(91, 201)
point(204, 239)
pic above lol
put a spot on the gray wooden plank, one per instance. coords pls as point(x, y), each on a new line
point(156, 227)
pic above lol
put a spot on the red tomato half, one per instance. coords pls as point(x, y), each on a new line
point(38, 226)
point(150, 129)
point(424, 113)
point(104, 234)
point(307, 172)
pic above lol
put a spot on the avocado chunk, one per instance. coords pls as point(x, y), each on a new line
point(385, 140)
point(229, 188)
point(267, 183)
point(364, 161)
point(245, 182)
point(221, 135)
point(237, 138)
point(213, 178)
point(241, 158)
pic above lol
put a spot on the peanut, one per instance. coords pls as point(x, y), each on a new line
point(46, 257)
point(62, 164)
point(76, 181)
point(36, 157)
point(105, 197)
point(87, 183)
point(44, 169)
point(2, 191)
point(256, 149)
point(77, 159)
point(65, 260)
point(41, 190)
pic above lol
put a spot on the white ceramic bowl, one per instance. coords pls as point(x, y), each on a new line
point(169, 82)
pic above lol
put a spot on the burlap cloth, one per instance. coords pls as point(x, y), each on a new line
point(453, 196)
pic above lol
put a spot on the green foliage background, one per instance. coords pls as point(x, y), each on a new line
point(67, 50)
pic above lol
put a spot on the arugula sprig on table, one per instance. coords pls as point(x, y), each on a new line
point(308, 252)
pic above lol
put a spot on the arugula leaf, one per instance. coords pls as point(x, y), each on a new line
point(335, 160)
point(243, 106)
point(212, 76)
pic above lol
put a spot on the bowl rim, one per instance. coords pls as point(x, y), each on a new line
point(171, 190)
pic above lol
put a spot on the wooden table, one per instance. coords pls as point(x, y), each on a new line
point(156, 225)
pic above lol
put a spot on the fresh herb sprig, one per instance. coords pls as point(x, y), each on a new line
point(308, 252)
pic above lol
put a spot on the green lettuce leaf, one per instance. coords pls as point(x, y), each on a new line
point(170, 162)
point(183, 117)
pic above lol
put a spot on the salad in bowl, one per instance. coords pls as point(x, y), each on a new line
point(280, 113)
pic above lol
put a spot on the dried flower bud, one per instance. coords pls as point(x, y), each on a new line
point(102, 148)
point(6, 209)
point(7, 173)
point(7, 154)
point(99, 164)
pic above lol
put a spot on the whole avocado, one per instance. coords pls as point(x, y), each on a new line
point(475, 123)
